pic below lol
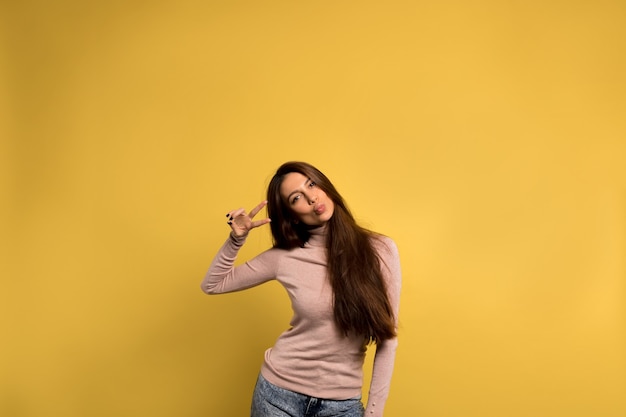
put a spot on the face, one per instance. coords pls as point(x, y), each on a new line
point(306, 200)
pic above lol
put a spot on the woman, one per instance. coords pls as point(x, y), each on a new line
point(344, 286)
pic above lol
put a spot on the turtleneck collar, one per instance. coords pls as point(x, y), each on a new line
point(318, 236)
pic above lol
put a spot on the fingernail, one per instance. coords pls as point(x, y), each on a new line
point(231, 217)
point(230, 222)
point(227, 214)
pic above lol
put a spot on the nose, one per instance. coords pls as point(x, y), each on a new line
point(312, 198)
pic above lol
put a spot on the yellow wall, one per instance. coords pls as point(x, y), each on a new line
point(486, 137)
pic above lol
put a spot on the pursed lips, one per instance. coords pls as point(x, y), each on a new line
point(319, 209)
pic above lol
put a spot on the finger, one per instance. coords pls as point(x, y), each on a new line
point(237, 213)
point(258, 208)
point(233, 213)
point(258, 223)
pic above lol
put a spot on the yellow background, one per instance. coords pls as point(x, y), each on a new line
point(486, 137)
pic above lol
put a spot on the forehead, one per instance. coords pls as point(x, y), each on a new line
point(292, 182)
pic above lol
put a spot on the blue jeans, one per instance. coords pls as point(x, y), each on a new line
point(272, 401)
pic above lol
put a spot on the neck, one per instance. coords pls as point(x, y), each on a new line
point(317, 235)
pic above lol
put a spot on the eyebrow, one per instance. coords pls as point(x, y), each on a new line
point(308, 180)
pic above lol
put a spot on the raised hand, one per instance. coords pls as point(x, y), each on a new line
point(241, 222)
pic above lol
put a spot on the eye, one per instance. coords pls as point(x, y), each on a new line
point(295, 199)
point(312, 184)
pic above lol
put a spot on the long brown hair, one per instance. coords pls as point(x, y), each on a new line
point(360, 302)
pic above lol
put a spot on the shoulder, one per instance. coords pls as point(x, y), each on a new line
point(387, 252)
point(276, 252)
point(271, 255)
point(384, 245)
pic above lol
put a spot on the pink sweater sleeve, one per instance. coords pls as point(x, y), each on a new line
point(223, 276)
point(385, 351)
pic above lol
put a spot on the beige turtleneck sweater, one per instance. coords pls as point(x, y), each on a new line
point(312, 357)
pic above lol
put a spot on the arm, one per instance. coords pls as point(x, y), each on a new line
point(223, 276)
point(385, 351)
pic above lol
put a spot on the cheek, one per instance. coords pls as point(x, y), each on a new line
point(297, 211)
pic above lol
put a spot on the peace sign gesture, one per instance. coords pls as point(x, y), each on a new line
point(241, 223)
